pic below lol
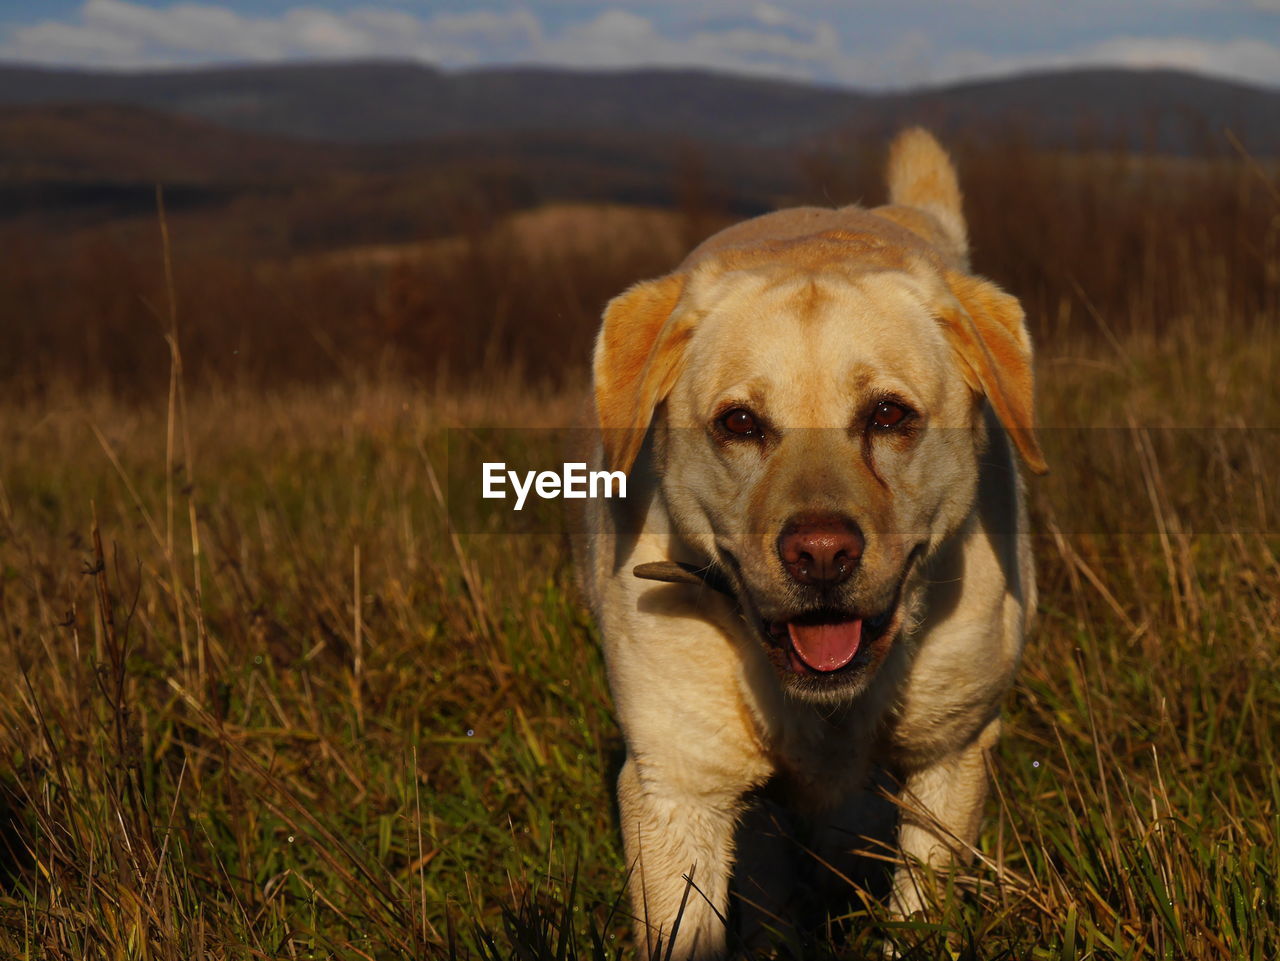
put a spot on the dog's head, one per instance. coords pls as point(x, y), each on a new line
point(819, 401)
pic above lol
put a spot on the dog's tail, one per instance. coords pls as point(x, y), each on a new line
point(921, 175)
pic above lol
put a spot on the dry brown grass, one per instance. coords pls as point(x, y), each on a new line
point(1095, 245)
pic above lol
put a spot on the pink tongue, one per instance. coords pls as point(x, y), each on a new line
point(826, 647)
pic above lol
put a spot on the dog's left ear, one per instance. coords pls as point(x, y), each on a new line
point(638, 357)
point(987, 329)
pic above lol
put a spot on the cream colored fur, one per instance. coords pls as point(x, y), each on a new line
point(806, 314)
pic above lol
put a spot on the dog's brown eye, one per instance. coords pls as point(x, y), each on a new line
point(740, 421)
point(888, 414)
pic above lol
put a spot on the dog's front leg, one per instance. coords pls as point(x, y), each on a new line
point(679, 849)
point(940, 817)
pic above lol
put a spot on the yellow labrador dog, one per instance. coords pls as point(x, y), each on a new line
point(821, 568)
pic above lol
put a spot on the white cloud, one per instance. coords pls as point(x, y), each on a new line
point(770, 15)
point(766, 37)
point(762, 43)
point(119, 33)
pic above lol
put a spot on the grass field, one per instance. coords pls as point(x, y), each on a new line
point(261, 703)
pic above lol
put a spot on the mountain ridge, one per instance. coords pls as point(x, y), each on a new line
point(389, 102)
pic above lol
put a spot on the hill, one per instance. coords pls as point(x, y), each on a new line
point(70, 166)
point(388, 102)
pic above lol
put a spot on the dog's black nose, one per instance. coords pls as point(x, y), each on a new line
point(820, 550)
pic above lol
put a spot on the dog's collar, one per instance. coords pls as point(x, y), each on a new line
point(675, 572)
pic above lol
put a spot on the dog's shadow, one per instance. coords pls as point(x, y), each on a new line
point(790, 876)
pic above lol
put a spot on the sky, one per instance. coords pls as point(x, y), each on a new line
point(855, 43)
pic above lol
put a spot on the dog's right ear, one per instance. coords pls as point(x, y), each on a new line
point(638, 356)
point(988, 331)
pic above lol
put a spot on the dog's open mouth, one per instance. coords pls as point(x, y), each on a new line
point(827, 642)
